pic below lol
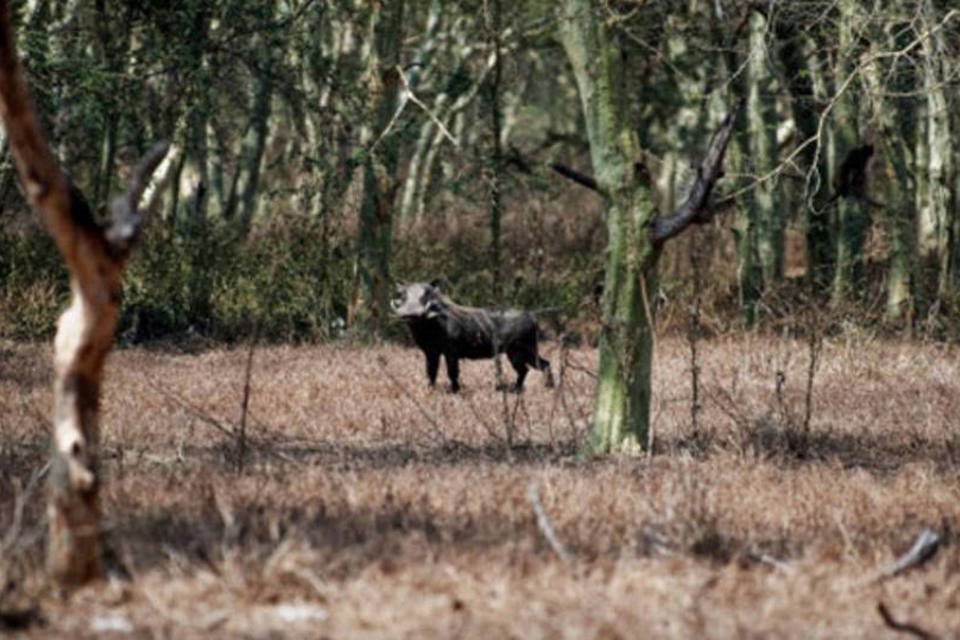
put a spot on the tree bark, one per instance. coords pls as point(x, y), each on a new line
point(621, 417)
point(379, 172)
point(852, 214)
point(242, 200)
point(938, 217)
point(897, 122)
point(95, 256)
point(766, 212)
point(495, 168)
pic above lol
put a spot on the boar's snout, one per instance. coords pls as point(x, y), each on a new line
point(418, 300)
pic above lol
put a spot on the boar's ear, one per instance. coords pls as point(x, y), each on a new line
point(435, 283)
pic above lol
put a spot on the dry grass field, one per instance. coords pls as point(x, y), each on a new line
point(367, 506)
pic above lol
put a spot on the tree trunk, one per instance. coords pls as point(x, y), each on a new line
point(819, 231)
point(495, 168)
point(379, 172)
point(766, 212)
point(242, 200)
point(95, 256)
point(852, 214)
point(621, 418)
point(937, 222)
point(897, 122)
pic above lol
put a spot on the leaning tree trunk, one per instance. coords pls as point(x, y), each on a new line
point(95, 256)
point(621, 418)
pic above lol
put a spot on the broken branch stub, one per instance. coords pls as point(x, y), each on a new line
point(95, 255)
point(695, 209)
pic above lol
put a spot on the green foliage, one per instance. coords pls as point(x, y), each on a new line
point(206, 282)
point(33, 285)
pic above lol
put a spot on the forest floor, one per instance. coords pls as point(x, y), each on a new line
point(367, 506)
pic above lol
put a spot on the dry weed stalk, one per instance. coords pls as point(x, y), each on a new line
point(693, 334)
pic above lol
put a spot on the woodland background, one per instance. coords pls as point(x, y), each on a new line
point(325, 149)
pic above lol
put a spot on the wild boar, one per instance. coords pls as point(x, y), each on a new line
point(441, 327)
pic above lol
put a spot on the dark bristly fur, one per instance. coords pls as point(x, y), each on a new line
point(441, 327)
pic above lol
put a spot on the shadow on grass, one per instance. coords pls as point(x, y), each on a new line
point(861, 451)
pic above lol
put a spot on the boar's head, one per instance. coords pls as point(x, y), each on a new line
point(420, 300)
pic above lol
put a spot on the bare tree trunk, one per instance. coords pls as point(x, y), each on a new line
point(766, 206)
point(379, 172)
point(937, 223)
point(242, 200)
point(897, 121)
point(852, 214)
point(495, 168)
point(95, 256)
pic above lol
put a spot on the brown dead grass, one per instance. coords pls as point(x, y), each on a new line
point(382, 509)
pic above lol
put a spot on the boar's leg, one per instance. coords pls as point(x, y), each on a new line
point(453, 372)
point(542, 364)
point(519, 361)
point(433, 365)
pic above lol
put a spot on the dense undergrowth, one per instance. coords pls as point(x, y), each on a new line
point(295, 281)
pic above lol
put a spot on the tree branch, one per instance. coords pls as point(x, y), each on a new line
point(695, 208)
point(902, 627)
point(572, 174)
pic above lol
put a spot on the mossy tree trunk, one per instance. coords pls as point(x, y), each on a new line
point(622, 410)
point(621, 418)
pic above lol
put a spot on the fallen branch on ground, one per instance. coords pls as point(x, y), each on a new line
point(923, 549)
point(543, 522)
point(903, 627)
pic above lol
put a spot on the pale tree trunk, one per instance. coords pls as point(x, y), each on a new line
point(936, 220)
point(448, 109)
point(766, 212)
point(621, 418)
point(379, 171)
point(95, 256)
